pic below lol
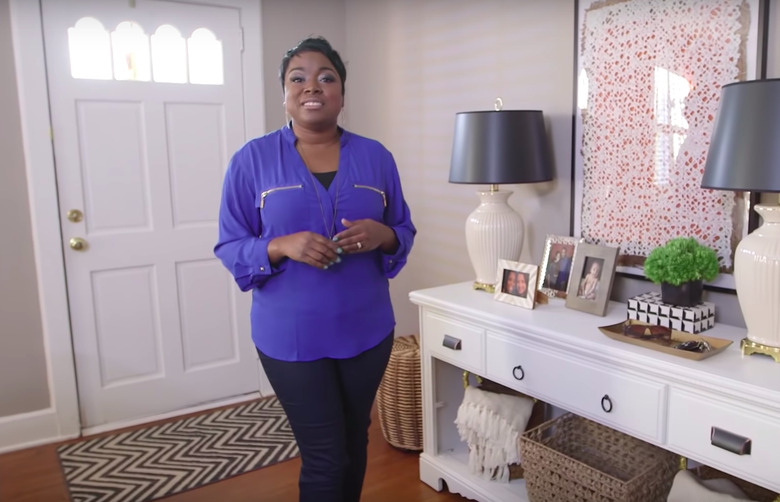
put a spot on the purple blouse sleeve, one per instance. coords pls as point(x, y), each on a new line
point(397, 217)
point(240, 247)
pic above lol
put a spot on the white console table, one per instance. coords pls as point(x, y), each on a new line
point(559, 355)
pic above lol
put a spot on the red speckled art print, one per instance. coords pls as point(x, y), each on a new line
point(649, 83)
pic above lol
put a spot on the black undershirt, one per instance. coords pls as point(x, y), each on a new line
point(325, 178)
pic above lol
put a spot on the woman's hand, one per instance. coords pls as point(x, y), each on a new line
point(306, 247)
point(366, 235)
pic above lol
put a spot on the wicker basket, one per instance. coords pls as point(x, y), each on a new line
point(399, 398)
point(572, 458)
point(755, 492)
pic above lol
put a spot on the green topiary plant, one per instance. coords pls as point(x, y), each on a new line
point(681, 260)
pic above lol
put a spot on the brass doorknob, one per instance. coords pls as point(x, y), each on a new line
point(78, 244)
point(75, 215)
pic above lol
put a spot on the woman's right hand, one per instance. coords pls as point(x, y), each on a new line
point(306, 247)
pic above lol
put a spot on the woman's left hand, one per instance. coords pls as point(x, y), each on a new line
point(366, 235)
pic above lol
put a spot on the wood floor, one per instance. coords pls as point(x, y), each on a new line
point(33, 475)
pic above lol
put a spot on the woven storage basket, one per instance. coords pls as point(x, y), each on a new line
point(399, 398)
point(755, 492)
point(572, 458)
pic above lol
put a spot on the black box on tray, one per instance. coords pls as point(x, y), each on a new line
point(649, 308)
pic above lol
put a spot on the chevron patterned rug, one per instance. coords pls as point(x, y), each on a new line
point(162, 460)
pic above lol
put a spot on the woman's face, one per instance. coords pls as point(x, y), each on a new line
point(522, 285)
point(312, 91)
point(511, 282)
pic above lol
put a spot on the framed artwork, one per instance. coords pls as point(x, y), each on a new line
point(556, 265)
point(649, 78)
point(592, 274)
point(516, 283)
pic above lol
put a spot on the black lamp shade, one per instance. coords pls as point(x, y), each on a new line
point(495, 147)
point(744, 152)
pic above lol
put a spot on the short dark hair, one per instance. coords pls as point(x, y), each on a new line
point(315, 44)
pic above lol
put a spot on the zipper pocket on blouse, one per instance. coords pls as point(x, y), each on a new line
point(268, 192)
point(380, 192)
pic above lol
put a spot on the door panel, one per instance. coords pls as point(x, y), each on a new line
point(116, 199)
point(128, 335)
point(194, 172)
point(157, 324)
point(208, 336)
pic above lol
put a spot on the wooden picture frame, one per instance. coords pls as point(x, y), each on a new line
point(592, 275)
point(644, 118)
point(556, 264)
point(516, 283)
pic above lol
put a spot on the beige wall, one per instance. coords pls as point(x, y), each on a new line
point(23, 381)
point(412, 64)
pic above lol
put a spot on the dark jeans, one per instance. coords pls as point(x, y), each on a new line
point(328, 403)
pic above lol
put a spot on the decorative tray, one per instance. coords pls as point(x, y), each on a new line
point(618, 332)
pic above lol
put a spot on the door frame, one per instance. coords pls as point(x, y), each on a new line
point(61, 419)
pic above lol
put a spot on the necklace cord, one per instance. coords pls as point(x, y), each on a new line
point(330, 232)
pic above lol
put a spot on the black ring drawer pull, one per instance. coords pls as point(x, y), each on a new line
point(606, 403)
point(730, 441)
point(451, 342)
point(515, 370)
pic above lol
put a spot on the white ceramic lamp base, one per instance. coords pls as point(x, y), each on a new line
point(757, 278)
point(493, 231)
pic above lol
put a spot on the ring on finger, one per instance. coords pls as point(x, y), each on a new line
point(359, 245)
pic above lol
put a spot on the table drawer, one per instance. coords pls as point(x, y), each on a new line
point(621, 400)
point(692, 418)
point(460, 343)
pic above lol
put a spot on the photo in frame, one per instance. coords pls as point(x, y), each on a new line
point(592, 275)
point(643, 123)
point(516, 283)
point(556, 264)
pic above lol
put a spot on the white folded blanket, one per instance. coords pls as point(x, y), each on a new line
point(689, 488)
point(491, 424)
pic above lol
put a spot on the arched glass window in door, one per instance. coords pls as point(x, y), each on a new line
point(205, 58)
point(130, 46)
point(169, 56)
point(89, 46)
point(128, 53)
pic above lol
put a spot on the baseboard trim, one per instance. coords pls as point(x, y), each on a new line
point(26, 430)
point(40, 427)
point(89, 431)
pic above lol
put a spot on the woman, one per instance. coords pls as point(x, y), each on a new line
point(510, 282)
point(314, 222)
point(521, 284)
point(552, 271)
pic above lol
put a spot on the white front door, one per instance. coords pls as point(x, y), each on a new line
point(142, 134)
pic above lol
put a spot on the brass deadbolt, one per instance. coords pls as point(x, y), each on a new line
point(75, 215)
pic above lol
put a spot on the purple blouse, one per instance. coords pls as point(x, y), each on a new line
point(301, 313)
